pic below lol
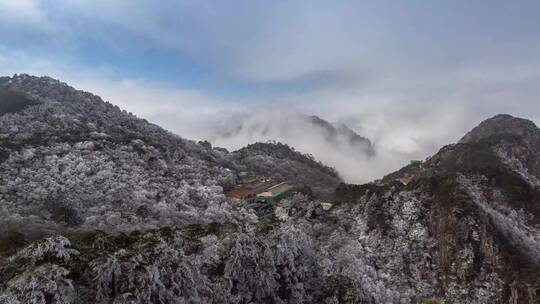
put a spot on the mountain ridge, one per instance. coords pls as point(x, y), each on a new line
point(504, 125)
point(342, 130)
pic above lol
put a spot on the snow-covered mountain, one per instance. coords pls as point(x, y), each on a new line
point(97, 205)
point(71, 161)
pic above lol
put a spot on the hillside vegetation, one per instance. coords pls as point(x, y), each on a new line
point(99, 206)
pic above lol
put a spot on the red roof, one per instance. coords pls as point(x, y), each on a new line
point(239, 193)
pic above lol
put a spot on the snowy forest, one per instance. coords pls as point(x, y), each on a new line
point(100, 206)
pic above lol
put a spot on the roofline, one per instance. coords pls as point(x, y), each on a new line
point(274, 186)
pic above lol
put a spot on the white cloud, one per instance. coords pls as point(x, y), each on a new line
point(24, 10)
point(24, 17)
point(345, 43)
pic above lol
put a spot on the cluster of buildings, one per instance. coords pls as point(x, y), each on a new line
point(260, 189)
point(268, 190)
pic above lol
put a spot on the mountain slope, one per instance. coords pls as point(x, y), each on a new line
point(133, 214)
point(71, 162)
point(74, 162)
point(469, 226)
point(14, 102)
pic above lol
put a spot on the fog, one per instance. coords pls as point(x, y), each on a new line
point(295, 129)
point(398, 132)
point(402, 126)
point(395, 143)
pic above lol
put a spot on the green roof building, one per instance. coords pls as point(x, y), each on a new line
point(275, 193)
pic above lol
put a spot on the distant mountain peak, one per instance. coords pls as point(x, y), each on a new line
point(343, 131)
point(318, 121)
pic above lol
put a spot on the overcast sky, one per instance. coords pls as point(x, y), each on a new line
point(410, 75)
